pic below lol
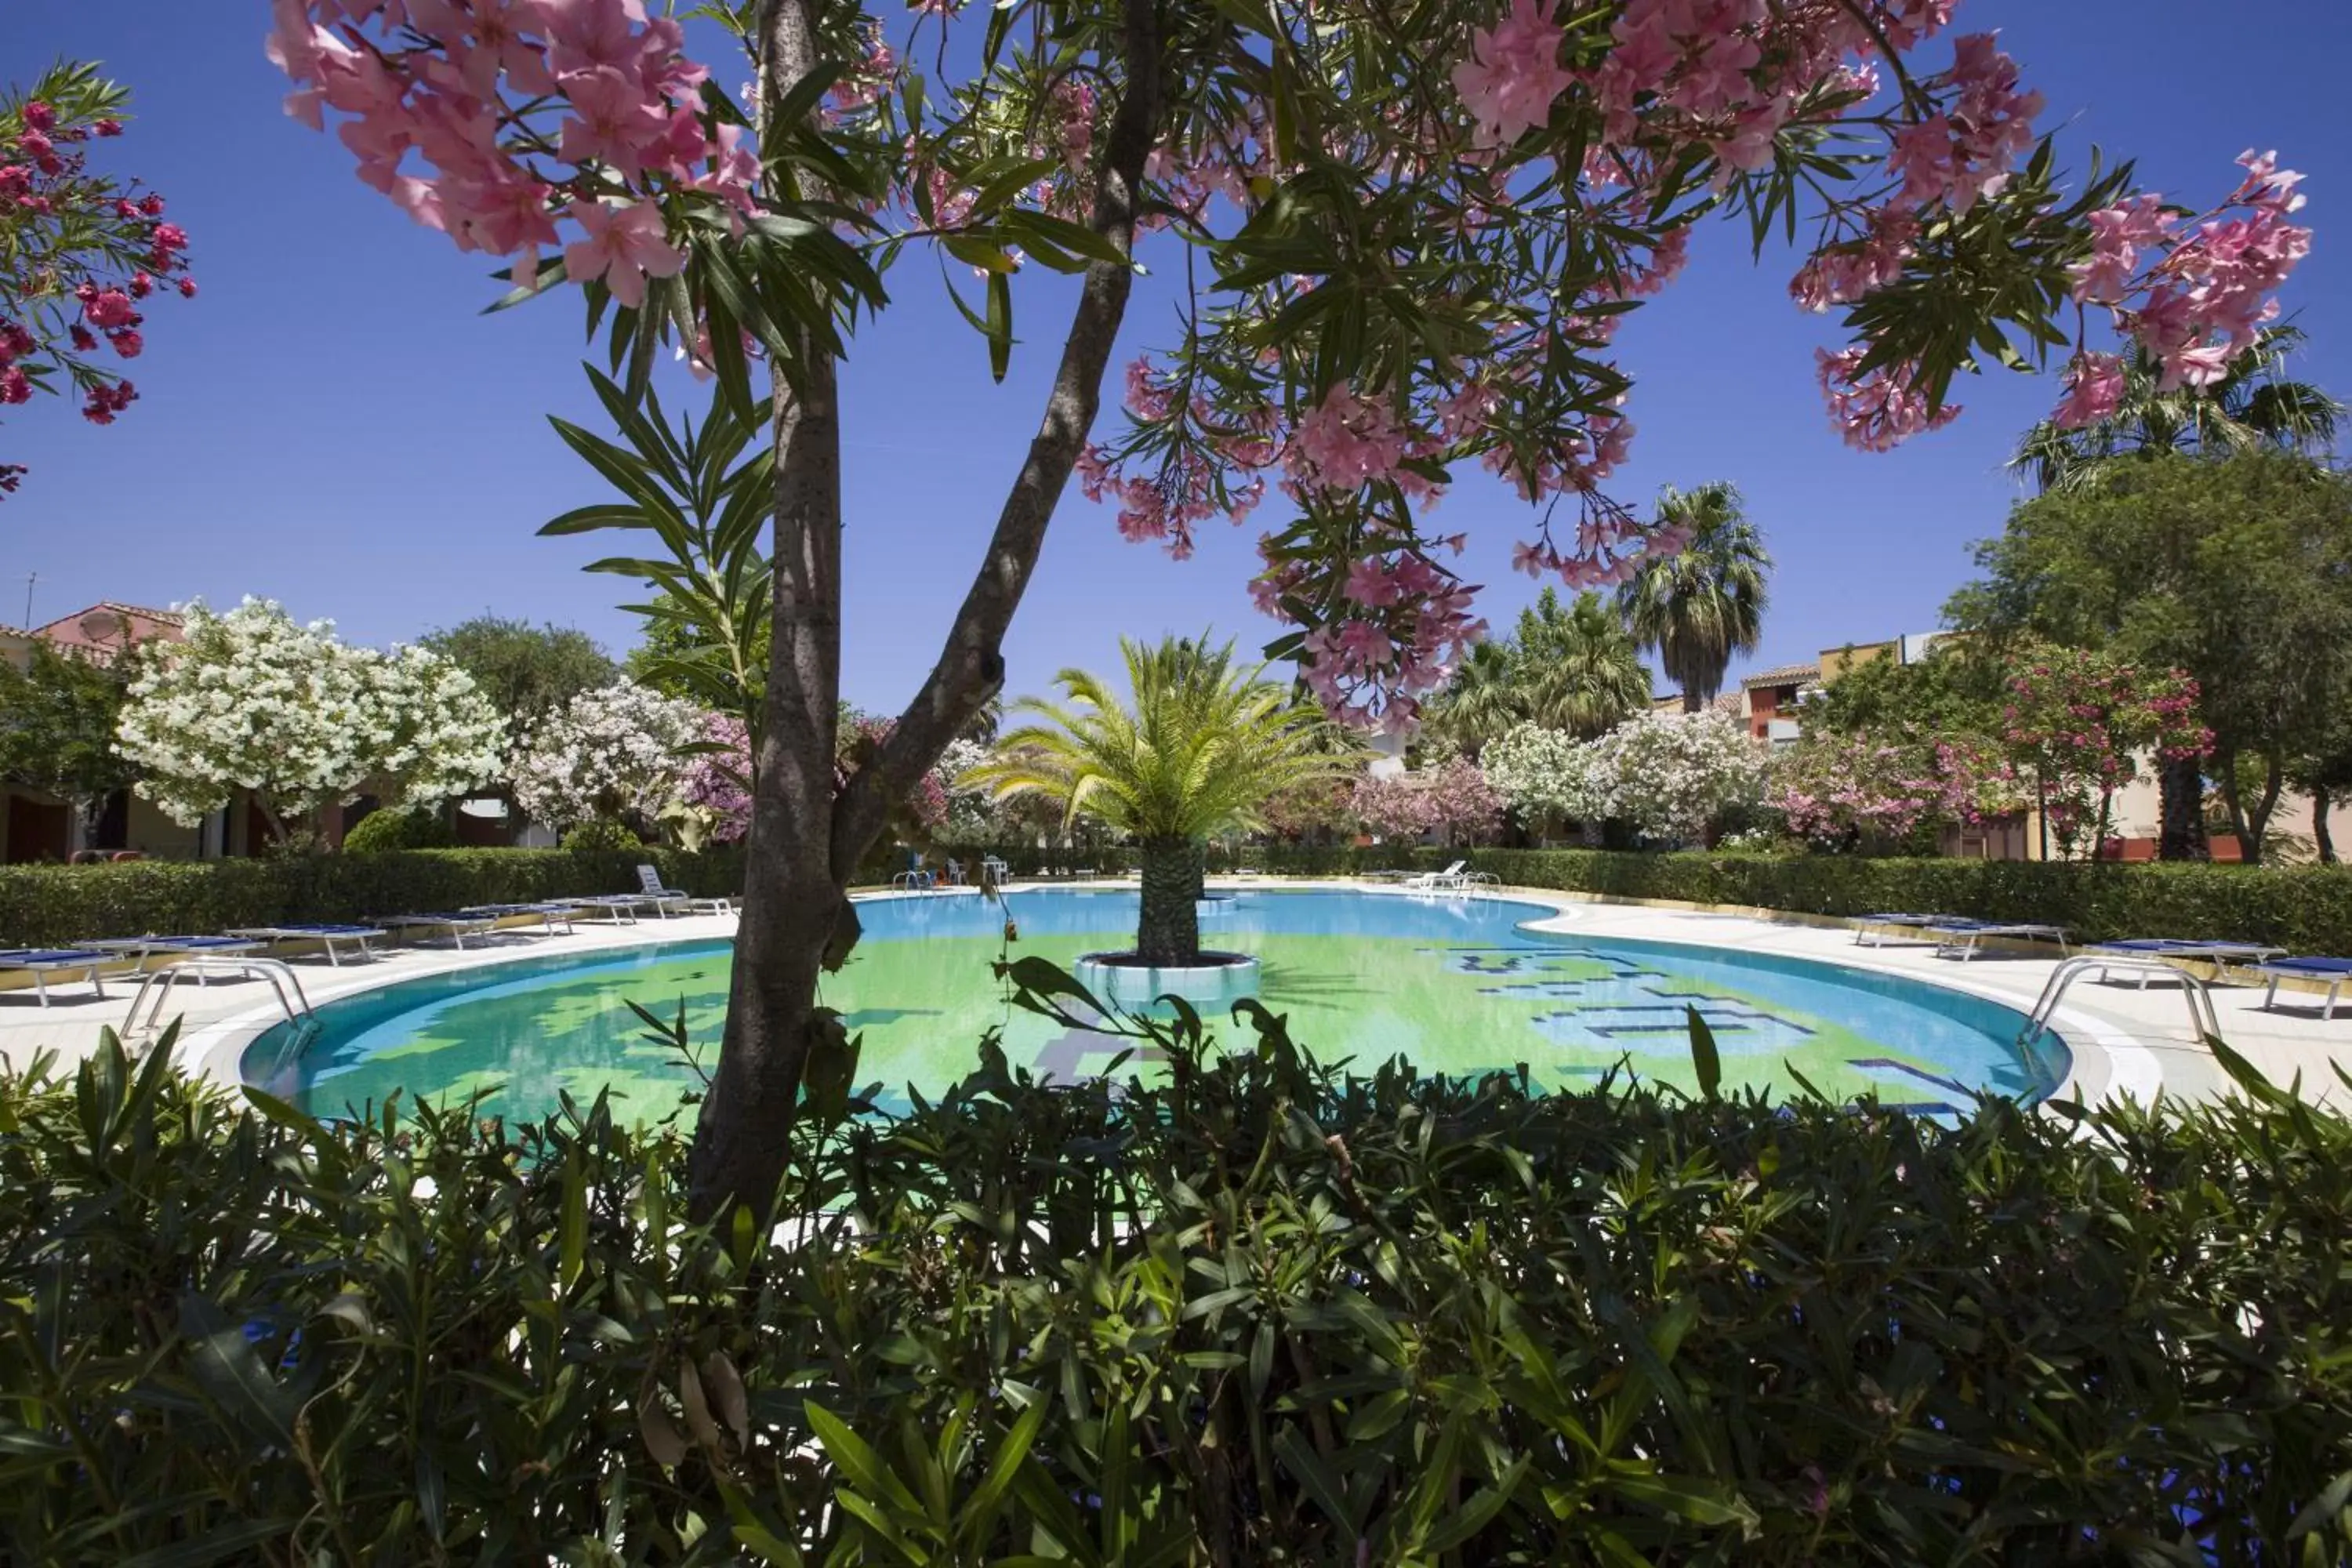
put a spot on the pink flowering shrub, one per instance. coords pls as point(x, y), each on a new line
point(719, 778)
point(80, 253)
point(1884, 790)
point(2076, 725)
point(1453, 799)
point(1417, 269)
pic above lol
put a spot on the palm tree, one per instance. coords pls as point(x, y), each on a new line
point(2253, 406)
point(1579, 669)
point(1700, 607)
point(1203, 746)
point(1482, 701)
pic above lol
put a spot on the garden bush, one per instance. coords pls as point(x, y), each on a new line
point(1261, 1312)
point(394, 829)
point(51, 905)
point(601, 834)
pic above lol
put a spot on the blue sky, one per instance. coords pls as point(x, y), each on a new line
point(333, 424)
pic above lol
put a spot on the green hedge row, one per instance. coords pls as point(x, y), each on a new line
point(51, 905)
point(2306, 908)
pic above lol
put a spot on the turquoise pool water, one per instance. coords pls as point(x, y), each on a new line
point(1454, 983)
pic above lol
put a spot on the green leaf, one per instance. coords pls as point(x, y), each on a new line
point(1000, 325)
point(1707, 1062)
point(854, 1459)
point(225, 1366)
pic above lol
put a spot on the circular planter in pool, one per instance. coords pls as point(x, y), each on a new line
point(1219, 980)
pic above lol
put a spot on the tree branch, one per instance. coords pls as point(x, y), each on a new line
point(971, 667)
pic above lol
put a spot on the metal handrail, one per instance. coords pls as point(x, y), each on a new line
point(2198, 1000)
point(158, 983)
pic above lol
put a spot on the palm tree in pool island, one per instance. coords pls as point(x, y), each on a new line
point(1702, 606)
point(1199, 747)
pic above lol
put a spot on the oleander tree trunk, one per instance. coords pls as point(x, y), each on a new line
point(2323, 841)
point(806, 835)
point(1168, 931)
point(2181, 835)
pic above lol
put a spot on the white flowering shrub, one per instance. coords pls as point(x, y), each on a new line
point(1670, 774)
point(252, 701)
point(613, 752)
point(972, 814)
point(1544, 773)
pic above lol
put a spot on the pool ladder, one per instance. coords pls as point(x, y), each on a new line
point(157, 983)
point(2195, 996)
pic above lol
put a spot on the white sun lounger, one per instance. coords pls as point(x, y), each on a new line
point(664, 900)
point(1438, 881)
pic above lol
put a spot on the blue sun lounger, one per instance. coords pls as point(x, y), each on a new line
point(142, 947)
point(2333, 972)
point(457, 927)
point(2220, 953)
point(1877, 930)
point(41, 962)
point(554, 917)
point(329, 934)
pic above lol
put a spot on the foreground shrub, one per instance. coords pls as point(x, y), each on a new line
point(1262, 1313)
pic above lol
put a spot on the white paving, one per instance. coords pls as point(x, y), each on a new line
point(2126, 1041)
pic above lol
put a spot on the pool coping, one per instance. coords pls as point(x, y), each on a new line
point(2104, 1059)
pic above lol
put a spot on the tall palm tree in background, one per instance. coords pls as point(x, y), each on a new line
point(1564, 668)
point(2255, 405)
point(1201, 745)
point(1580, 668)
point(1706, 604)
point(1482, 702)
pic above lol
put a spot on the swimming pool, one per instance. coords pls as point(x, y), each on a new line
point(1457, 984)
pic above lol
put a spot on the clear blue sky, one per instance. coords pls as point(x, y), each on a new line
point(333, 424)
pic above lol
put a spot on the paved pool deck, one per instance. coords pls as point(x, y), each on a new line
point(2126, 1040)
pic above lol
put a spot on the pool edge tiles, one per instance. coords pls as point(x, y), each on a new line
point(1364, 976)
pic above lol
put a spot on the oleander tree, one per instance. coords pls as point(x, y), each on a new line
point(618, 753)
point(1453, 799)
point(252, 700)
point(1410, 237)
point(1674, 775)
point(1546, 776)
point(2077, 724)
point(1886, 788)
point(80, 251)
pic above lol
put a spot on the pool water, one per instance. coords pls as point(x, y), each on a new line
point(1454, 984)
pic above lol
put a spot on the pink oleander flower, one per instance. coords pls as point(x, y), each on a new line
point(623, 245)
point(1514, 74)
point(1347, 441)
point(2094, 390)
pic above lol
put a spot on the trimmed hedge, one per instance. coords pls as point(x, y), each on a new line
point(2306, 908)
point(53, 905)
